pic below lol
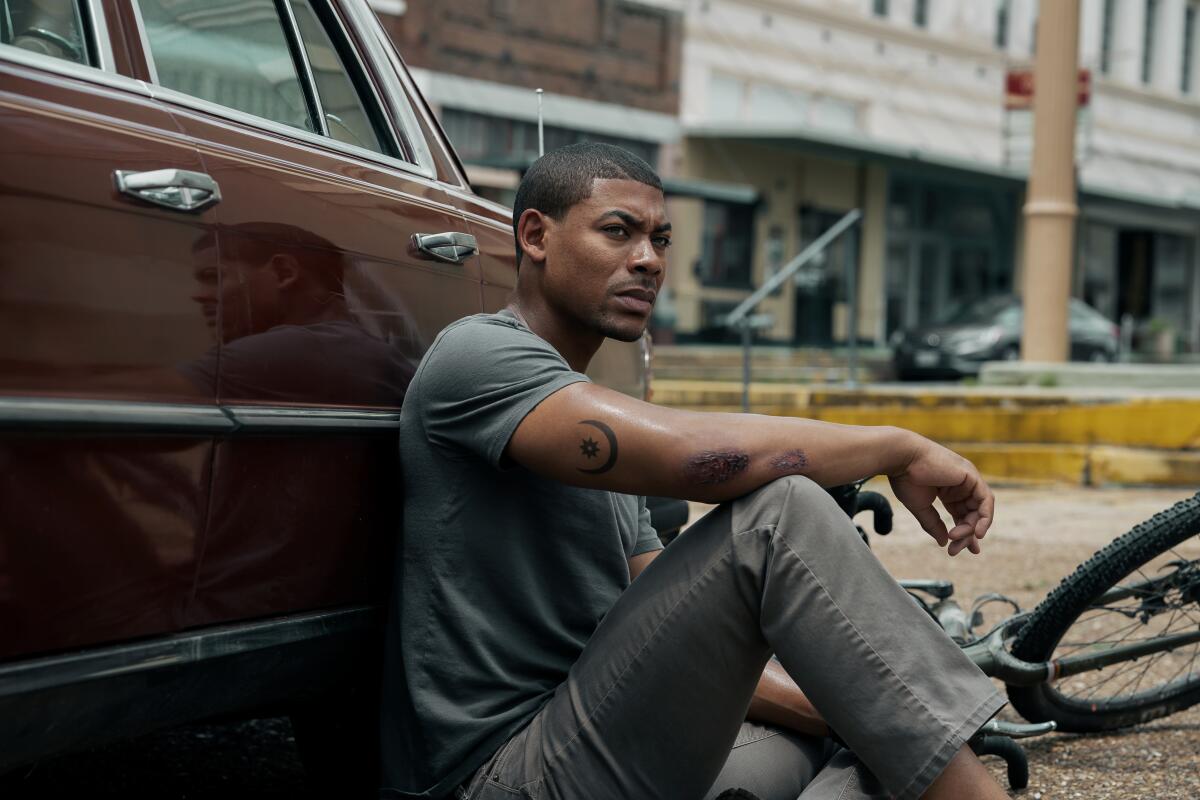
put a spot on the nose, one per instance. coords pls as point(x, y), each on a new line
point(646, 260)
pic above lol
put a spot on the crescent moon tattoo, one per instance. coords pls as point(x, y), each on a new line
point(612, 446)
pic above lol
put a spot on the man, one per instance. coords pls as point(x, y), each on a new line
point(524, 659)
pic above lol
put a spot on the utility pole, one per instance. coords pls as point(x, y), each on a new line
point(1050, 204)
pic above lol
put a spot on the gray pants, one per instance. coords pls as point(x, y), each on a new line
point(658, 699)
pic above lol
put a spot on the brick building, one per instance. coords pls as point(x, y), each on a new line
point(609, 68)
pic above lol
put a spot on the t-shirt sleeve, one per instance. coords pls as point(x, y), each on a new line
point(480, 380)
point(647, 538)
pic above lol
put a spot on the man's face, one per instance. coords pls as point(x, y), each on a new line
point(606, 259)
point(236, 300)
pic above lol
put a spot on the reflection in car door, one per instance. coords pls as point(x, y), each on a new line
point(97, 317)
point(326, 305)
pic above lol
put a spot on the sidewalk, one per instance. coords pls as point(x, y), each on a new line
point(1089, 436)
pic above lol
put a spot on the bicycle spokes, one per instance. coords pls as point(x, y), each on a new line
point(1141, 637)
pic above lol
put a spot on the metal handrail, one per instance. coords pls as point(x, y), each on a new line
point(740, 316)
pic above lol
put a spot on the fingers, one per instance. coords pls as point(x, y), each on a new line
point(987, 511)
point(932, 524)
point(970, 543)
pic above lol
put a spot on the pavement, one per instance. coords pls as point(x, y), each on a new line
point(1086, 436)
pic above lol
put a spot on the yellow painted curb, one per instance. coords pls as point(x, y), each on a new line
point(1057, 464)
point(1125, 465)
point(1168, 423)
point(1009, 436)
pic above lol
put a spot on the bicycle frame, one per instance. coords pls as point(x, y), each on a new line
point(991, 655)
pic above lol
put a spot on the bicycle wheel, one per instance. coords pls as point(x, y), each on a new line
point(1143, 585)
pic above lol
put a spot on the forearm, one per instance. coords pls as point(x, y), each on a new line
point(593, 437)
point(728, 455)
point(779, 701)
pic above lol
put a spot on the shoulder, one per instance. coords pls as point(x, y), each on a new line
point(486, 339)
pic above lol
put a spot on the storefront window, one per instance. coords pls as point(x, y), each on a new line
point(727, 250)
point(821, 284)
point(948, 245)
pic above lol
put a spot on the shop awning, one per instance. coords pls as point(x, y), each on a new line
point(711, 190)
point(1102, 176)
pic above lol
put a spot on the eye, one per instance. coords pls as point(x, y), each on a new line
point(616, 230)
point(662, 242)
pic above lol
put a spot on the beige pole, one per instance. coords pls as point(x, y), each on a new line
point(1050, 208)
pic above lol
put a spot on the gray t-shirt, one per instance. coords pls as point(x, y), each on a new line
point(502, 575)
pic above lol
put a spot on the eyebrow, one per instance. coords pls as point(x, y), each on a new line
point(631, 220)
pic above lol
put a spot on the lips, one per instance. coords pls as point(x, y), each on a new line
point(638, 300)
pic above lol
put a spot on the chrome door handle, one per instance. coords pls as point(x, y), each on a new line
point(452, 247)
point(176, 189)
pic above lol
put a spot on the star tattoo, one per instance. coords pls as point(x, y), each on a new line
point(589, 448)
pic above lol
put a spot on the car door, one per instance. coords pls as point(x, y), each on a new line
point(105, 444)
point(341, 259)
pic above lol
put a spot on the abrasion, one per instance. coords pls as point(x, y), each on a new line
point(715, 467)
point(790, 463)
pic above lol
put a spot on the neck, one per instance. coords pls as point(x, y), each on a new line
point(575, 344)
point(310, 310)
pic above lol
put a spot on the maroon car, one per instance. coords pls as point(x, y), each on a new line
point(229, 229)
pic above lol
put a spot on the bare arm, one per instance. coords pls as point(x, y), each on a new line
point(589, 436)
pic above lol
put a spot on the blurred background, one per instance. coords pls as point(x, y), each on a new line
point(906, 128)
point(771, 119)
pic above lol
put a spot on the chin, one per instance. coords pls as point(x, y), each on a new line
point(624, 331)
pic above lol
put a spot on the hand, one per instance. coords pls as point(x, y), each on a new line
point(936, 473)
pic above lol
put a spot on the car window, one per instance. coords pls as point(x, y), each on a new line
point(50, 27)
point(346, 115)
point(231, 52)
point(1085, 316)
point(995, 309)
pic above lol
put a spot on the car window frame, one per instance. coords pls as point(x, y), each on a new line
point(99, 42)
point(396, 81)
point(393, 139)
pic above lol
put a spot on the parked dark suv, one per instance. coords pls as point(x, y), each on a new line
point(229, 229)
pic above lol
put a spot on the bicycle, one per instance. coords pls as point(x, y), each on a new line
point(1133, 605)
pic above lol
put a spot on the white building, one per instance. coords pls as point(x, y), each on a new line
point(796, 111)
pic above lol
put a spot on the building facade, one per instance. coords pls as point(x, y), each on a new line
point(609, 70)
point(795, 112)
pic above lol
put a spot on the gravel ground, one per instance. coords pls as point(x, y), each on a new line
point(1040, 535)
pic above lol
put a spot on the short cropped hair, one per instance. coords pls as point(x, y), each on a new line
point(563, 177)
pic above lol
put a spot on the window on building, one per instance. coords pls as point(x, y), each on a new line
point(1148, 40)
point(921, 13)
point(880, 7)
point(1106, 36)
point(1002, 24)
point(1189, 48)
point(513, 144)
point(727, 249)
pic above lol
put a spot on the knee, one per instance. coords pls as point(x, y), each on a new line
point(795, 497)
point(793, 488)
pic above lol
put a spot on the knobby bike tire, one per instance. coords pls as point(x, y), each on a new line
point(1055, 615)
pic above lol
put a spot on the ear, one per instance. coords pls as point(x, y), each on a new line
point(285, 268)
point(532, 231)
